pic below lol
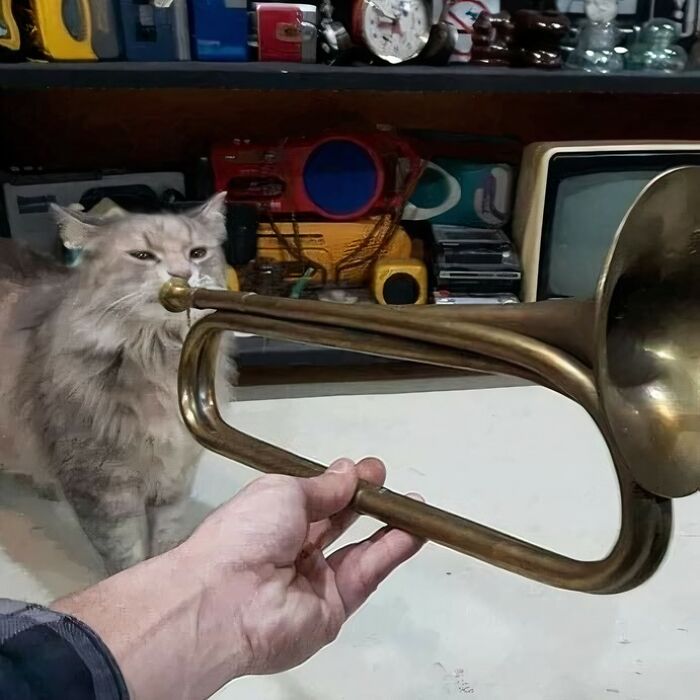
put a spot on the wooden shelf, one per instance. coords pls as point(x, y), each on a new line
point(167, 115)
point(296, 76)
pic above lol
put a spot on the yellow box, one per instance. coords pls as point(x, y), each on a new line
point(330, 244)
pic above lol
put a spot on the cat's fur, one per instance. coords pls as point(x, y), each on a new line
point(89, 374)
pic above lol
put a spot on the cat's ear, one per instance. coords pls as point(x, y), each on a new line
point(212, 212)
point(75, 227)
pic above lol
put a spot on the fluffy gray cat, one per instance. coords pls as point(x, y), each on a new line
point(88, 385)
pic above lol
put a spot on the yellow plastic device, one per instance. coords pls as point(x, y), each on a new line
point(400, 281)
point(61, 30)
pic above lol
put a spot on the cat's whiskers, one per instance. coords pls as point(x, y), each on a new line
point(121, 300)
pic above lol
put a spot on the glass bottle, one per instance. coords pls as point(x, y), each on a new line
point(597, 46)
point(656, 48)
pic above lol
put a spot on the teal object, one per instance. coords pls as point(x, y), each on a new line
point(483, 198)
point(656, 48)
point(300, 284)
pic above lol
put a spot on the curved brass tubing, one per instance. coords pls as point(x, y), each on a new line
point(646, 519)
point(630, 358)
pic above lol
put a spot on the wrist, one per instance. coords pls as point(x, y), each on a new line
point(170, 625)
point(223, 591)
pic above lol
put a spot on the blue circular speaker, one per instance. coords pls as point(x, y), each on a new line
point(342, 179)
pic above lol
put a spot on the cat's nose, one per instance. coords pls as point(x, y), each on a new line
point(182, 272)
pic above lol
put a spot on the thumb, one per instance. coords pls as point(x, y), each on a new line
point(331, 492)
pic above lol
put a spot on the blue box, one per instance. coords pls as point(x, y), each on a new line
point(155, 33)
point(219, 30)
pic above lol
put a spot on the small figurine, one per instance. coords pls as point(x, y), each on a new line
point(334, 42)
point(492, 36)
point(442, 41)
point(656, 48)
point(596, 48)
point(462, 14)
point(537, 38)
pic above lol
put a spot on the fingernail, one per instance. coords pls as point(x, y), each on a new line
point(342, 465)
point(372, 459)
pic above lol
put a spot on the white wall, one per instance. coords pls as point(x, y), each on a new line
point(521, 459)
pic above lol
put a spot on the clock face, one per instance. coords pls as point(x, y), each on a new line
point(395, 30)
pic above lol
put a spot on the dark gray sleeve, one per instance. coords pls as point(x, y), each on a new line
point(45, 655)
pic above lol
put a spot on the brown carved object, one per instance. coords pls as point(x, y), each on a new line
point(537, 38)
point(492, 37)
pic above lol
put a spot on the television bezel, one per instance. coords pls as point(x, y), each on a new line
point(545, 165)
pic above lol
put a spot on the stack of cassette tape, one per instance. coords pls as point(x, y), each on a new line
point(474, 266)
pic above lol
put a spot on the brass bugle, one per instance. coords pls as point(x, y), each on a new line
point(630, 358)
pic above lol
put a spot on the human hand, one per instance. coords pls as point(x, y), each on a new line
point(250, 591)
point(265, 550)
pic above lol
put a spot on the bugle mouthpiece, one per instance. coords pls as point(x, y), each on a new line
point(176, 295)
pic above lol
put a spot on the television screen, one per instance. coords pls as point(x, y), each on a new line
point(586, 197)
point(587, 213)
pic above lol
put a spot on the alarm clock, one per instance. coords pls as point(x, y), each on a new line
point(400, 281)
point(9, 33)
point(394, 31)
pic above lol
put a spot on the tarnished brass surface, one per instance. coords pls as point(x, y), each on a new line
point(648, 336)
point(631, 358)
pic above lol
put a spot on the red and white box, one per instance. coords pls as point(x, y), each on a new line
point(286, 32)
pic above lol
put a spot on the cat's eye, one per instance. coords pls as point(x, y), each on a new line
point(142, 255)
point(197, 253)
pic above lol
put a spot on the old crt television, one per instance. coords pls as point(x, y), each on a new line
point(571, 199)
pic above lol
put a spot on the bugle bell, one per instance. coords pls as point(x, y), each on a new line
point(630, 357)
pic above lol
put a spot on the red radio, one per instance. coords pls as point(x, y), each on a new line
point(340, 177)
